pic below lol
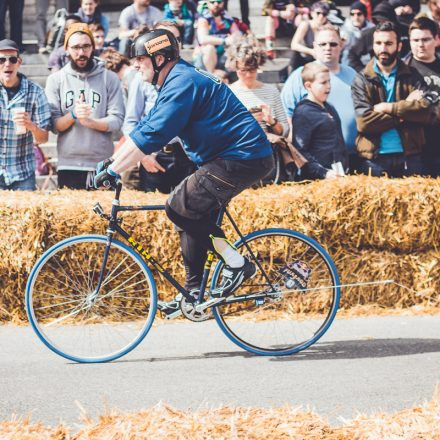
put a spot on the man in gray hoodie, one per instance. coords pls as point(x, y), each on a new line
point(87, 105)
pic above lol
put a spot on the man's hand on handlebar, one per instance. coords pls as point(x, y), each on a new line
point(105, 176)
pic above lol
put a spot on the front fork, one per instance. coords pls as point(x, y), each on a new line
point(110, 232)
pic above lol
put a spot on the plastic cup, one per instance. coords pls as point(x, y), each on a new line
point(19, 128)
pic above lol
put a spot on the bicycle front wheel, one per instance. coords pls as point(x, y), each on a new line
point(293, 308)
point(77, 322)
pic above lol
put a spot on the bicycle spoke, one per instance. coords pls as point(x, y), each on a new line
point(71, 319)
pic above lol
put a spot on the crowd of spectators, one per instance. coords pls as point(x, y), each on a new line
point(362, 95)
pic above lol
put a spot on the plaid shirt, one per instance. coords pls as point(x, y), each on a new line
point(17, 159)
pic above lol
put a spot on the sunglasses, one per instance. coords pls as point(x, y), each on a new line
point(324, 14)
point(331, 44)
point(215, 1)
point(12, 60)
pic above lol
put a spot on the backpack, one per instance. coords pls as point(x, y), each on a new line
point(55, 34)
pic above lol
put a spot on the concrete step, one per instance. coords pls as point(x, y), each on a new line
point(47, 183)
point(34, 59)
point(275, 71)
point(34, 70)
point(40, 79)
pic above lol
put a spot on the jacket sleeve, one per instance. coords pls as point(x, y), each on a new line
point(302, 129)
point(115, 103)
point(136, 103)
point(53, 98)
point(414, 111)
point(367, 120)
point(355, 53)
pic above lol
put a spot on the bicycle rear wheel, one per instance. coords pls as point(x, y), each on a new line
point(300, 308)
point(71, 319)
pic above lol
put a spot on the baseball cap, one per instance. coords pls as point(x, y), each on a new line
point(8, 45)
point(78, 27)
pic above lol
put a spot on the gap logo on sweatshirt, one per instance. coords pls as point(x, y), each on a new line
point(93, 98)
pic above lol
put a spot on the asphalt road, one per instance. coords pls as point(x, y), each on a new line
point(363, 364)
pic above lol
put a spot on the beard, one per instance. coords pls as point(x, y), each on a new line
point(389, 60)
point(87, 68)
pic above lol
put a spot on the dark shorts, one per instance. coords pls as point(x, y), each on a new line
point(215, 183)
point(284, 29)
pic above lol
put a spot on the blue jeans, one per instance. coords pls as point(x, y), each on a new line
point(28, 184)
point(393, 165)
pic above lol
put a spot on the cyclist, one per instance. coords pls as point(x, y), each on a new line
point(225, 141)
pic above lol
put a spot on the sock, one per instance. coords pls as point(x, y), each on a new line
point(230, 255)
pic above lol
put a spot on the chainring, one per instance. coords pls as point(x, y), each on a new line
point(189, 311)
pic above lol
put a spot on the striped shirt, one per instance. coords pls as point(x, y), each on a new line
point(17, 158)
point(268, 94)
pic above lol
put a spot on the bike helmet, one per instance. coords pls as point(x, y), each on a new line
point(153, 43)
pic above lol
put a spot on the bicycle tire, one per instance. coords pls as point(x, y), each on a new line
point(284, 323)
point(61, 308)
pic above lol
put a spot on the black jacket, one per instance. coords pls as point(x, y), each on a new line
point(317, 134)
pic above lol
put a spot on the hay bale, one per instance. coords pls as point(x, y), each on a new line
point(224, 423)
point(375, 229)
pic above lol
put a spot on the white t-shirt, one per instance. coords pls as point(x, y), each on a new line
point(130, 19)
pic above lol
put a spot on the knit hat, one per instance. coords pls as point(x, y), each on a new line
point(385, 12)
point(78, 27)
point(321, 6)
point(397, 3)
point(357, 5)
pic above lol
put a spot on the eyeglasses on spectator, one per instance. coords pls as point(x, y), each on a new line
point(84, 47)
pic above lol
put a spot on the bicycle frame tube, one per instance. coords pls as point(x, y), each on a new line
point(138, 248)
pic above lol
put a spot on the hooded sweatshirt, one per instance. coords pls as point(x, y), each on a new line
point(79, 147)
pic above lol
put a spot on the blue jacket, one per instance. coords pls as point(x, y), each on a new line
point(205, 114)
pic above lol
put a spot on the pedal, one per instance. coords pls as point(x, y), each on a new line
point(209, 303)
point(173, 315)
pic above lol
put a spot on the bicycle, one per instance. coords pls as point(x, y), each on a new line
point(93, 298)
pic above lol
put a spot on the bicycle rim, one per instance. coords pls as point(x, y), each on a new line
point(296, 316)
point(68, 316)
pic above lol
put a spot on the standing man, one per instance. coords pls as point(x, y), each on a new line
point(87, 106)
point(23, 104)
point(424, 38)
point(389, 110)
point(328, 46)
point(133, 16)
point(219, 135)
point(15, 8)
point(353, 26)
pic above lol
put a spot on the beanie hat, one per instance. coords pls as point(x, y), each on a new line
point(357, 5)
point(320, 6)
point(397, 3)
point(384, 11)
point(78, 27)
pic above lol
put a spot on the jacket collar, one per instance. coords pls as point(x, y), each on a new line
point(402, 70)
